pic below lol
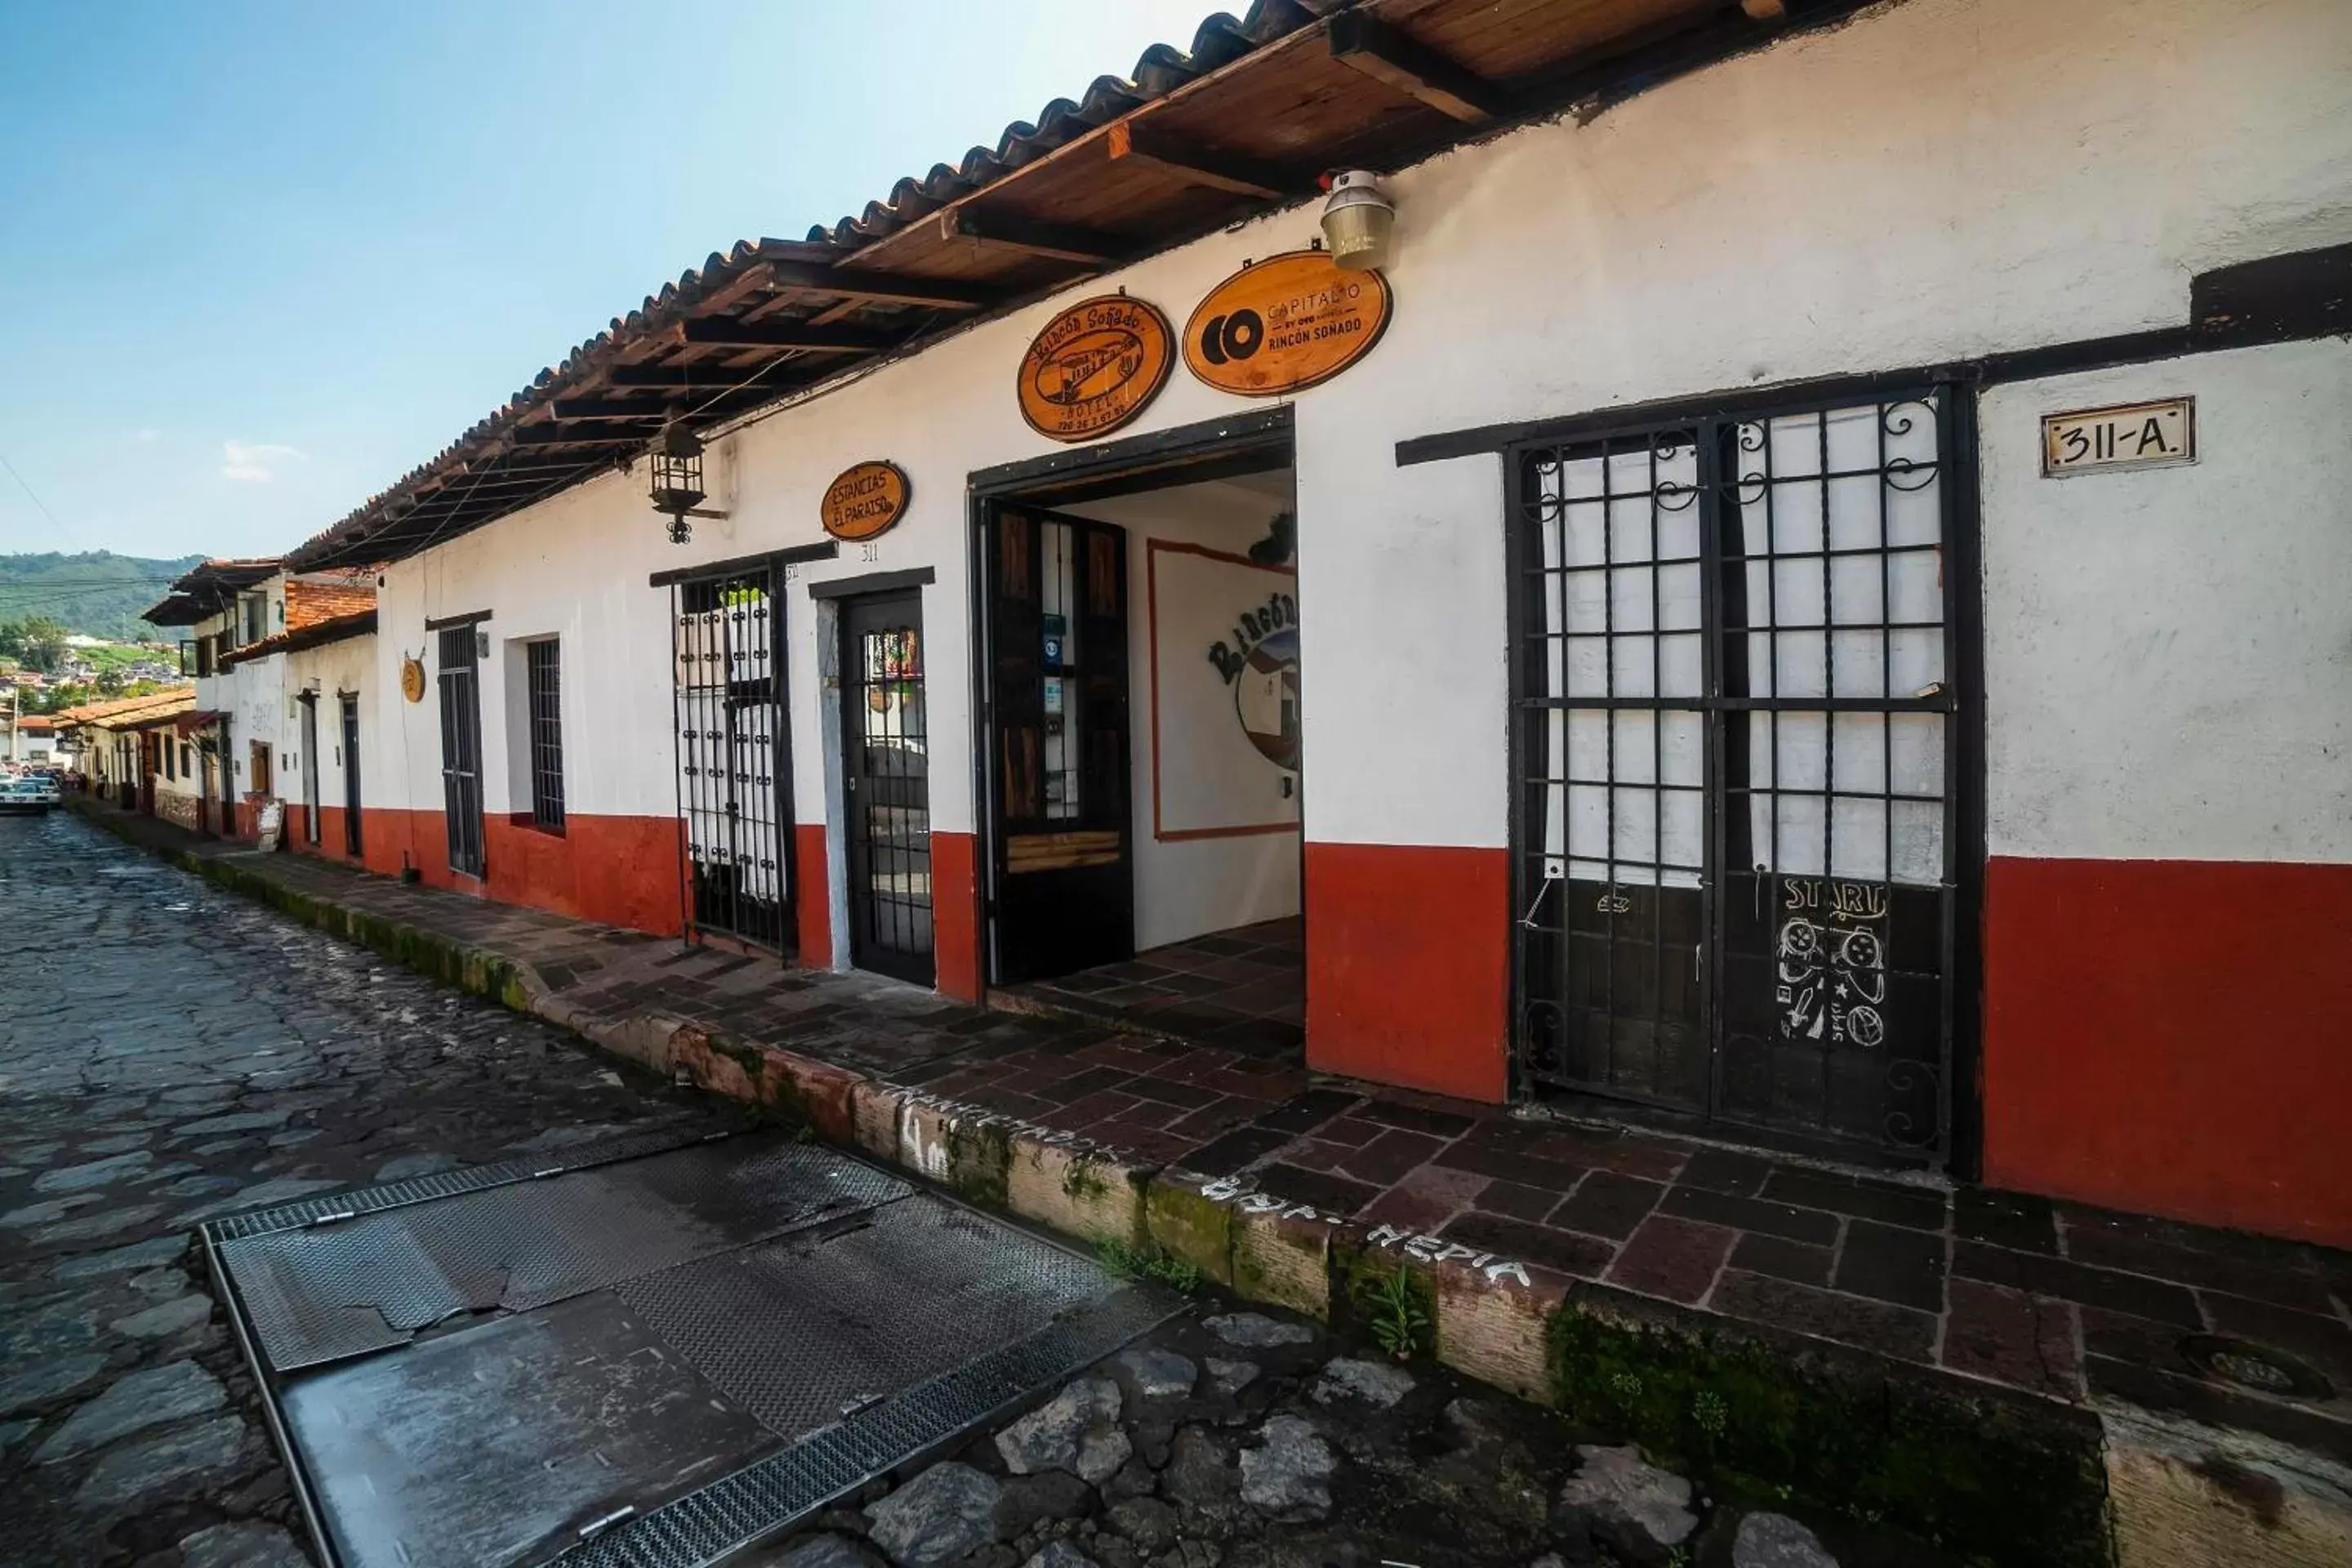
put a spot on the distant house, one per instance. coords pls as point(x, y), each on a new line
point(34, 742)
point(253, 734)
point(127, 745)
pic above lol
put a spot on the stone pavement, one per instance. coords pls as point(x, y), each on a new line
point(170, 1052)
point(1238, 1440)
point(1280, 1183)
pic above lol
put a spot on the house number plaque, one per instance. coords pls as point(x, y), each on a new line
point(2129, 435)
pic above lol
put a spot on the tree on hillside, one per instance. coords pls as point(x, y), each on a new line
point(39, 640)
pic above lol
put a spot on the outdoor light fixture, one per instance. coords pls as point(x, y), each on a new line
point(676, 486)
point(1359, 220)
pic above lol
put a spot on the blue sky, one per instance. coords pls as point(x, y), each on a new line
point(261, 259)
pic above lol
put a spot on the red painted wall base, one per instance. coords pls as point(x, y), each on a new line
point(955, 913)
point(1407, 965)
point(620, 870)
point(812, 895)
point(2173, 1037)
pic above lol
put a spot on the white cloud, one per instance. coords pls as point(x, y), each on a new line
point(254, 462)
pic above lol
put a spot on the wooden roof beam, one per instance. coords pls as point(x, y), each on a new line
point(611, 407)
point(882, 287)
point(1144, 145)
point(1367, 44)
point(598, 435)
point(693, 377)
point(732, 333)
point(1058, 241)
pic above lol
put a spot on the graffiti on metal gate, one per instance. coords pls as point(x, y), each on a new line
point(1832, 962)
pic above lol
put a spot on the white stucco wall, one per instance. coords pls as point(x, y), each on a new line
point(1937, 179)
point(330, 670)
point(2168, 650)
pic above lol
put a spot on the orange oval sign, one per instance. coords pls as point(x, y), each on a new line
point(1096, 366)
point(1285, 323)
point(412, 679)
point(867, 499)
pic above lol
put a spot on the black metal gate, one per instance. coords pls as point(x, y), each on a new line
point(734, 753)
point(886, 778)
point(461, 748)
point(1737, 759)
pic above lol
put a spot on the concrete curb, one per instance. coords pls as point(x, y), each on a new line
point(1570, 1346)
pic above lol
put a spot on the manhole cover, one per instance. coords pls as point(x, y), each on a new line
point(2259, 1367)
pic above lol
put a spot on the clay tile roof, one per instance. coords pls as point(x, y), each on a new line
point(308, 602)
point(1184, 145)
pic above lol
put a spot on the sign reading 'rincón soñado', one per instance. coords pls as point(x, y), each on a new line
point(1096, 366)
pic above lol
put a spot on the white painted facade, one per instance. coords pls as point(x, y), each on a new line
point(1935, 180)
point(327, 672)
point(2168, 650)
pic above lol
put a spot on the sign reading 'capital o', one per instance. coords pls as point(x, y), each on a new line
point(1094, 367)
point(866, 501)
point(1285, 325)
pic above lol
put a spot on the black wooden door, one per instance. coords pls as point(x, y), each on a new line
point(461, 749)
point(1062, 888)
point(887, 785)
point(351, 836)
point(1738, 749)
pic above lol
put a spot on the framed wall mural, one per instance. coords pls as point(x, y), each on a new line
point(1224, 693)
point(1094, 367)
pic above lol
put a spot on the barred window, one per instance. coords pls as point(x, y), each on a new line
point(546, 698)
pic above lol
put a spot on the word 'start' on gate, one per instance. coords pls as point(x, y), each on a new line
point(1737, 867)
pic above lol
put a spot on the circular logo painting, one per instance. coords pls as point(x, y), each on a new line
point(1265, 695)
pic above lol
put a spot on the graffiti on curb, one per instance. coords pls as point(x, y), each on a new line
point(1421, 1248)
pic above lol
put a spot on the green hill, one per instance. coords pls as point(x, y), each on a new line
point(98, 593)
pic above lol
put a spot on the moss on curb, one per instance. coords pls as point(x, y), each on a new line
point(1995, 1480)
point(979, 1160)
point(1180, 1220)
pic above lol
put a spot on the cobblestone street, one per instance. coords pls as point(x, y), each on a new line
point(168, 1053)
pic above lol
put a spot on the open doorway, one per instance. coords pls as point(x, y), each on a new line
point(1147, 755)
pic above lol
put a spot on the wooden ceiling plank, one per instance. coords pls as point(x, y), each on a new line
point(1149, 147)
point(610, 408)
point(883, 287)
point(1059, 241)
point(1370, 46)
point(601, 433)
point(688, 377)
point(773, 334)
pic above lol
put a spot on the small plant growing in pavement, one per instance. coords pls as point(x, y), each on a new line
point(1125, 1262)
point(1397, 1321)
point(1710, 1415)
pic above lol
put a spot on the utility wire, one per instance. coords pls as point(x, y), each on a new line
point(36, 500)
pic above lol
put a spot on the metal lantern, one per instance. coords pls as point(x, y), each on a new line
point(1359, 221)
point(677, 484)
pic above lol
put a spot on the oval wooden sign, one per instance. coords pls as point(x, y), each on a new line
point(412, 679)
point(1285, 323)
point(868, 499)
point(1094, 367)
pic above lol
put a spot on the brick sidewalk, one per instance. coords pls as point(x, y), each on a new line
point(2062, 1302)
